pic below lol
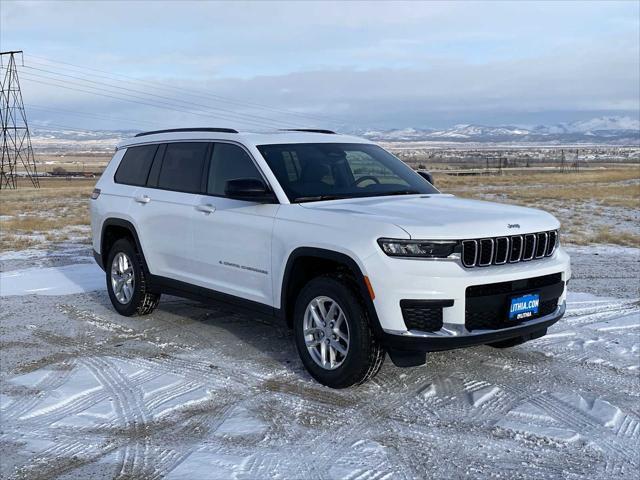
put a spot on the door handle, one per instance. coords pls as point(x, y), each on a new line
point(206, 208)
point(142, 199)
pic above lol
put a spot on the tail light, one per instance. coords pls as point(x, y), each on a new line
point(95, 194)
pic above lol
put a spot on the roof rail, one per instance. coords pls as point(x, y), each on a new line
point(174, 130)
point(310, 130)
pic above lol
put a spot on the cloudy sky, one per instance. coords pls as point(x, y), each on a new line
point(343, 65)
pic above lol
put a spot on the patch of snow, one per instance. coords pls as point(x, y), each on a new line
point(483, 395)
point(27, 254)
point(561, 435)
point(206, 464)
point(31, 379)
point(81, 384)
point(241, 422)
point(67, 280)
point(605, 413)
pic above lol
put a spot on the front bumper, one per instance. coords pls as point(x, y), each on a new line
point(397, 280)
point(453, 336)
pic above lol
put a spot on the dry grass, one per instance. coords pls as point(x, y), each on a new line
point(609, 235)
point(587, 203)
point(582, 201)
point(616, 188)
point(551, 178)
point(34, 216)
point(601, 235)
point(16, 242)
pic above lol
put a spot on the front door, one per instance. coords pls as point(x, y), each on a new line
point(232, 238)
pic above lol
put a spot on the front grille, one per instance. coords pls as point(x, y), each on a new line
point(516, 248)
point(421, 316)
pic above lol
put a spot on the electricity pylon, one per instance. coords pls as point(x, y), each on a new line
point(16, 139)
point(576, 163)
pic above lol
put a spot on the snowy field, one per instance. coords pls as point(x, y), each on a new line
point(199, 392)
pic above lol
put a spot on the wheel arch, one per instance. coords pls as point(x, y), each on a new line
point(112, 230)
point(305, 263)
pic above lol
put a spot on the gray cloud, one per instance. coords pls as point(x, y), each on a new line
point(359, 64)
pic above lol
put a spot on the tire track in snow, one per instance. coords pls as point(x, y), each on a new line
point(54, 379)
point(80, 404)
point(132, 410)
point(583, 423)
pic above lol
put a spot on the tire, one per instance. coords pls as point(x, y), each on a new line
point(139, 301)
point(364, 355)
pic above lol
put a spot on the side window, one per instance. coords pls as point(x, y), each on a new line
point(134, 166)
point(181, 168)
point(229, 162)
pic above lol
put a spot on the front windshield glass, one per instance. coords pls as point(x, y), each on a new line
point(324, 171)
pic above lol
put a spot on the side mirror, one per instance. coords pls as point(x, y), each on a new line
point(426, 175)
point(250, 190)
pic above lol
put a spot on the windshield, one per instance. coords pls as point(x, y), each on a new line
point(324, 171)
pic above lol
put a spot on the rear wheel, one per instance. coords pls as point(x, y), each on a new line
point(333, 334)
point(126, 281)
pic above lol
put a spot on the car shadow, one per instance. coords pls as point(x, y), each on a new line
point(200, 324)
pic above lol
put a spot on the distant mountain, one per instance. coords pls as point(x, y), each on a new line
point(604, 130)
point(601, 130)
point(80, 135)
point(47, 139)
point(605, 124)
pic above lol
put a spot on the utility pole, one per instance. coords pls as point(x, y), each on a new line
point(576, 164)
point(563, 163)
point(16, 139)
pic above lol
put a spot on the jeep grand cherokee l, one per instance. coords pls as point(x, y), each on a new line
point(357, 253)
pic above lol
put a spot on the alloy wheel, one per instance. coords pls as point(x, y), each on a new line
point(326, 332)
point(122, 278)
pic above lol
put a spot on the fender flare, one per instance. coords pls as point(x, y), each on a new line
point(120, 222)
point(334, 256)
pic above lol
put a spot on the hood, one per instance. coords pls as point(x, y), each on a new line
point(442, 216)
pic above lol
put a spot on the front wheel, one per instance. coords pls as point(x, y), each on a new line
point(333, 334)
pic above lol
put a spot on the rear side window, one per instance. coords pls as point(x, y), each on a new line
point(134, 166)
point(229, 162)
point(181, 168)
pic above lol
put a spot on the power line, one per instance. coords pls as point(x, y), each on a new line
point(32, 106)
point(162, 97)
point(172, 104)
point(220, 98)
point(102, 94)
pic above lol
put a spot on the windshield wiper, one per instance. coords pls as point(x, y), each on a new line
point(317, 198)
point(398, 192)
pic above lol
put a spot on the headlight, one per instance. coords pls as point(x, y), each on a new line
point(417, 248)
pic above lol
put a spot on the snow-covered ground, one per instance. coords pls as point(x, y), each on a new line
point(194, 391)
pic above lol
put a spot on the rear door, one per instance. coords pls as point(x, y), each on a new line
point(232, 238)
point(130, 174)
point(165, 206)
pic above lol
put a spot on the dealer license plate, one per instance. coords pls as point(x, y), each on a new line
point(524, 306)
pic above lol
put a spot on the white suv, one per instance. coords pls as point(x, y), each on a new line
point(355, 251)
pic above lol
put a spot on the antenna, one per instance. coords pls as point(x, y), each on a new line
point(16, 139)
